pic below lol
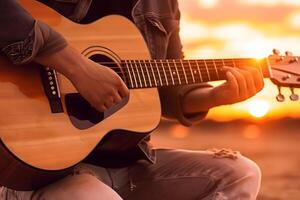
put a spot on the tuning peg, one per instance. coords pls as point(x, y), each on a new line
point(276, 52)
point(288, 53)
point(280, 97)
point(293, 96)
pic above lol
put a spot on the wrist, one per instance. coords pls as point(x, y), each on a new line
point(67, 61)
point(198, 100)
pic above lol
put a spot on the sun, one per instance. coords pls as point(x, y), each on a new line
point(258, 108)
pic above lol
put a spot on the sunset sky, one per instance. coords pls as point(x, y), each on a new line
point(243, 28)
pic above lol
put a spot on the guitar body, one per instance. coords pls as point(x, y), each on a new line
point(39, 146)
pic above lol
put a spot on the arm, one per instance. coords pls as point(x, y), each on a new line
point(190, 104)
point(176, 100)
point(240, 85)
point(27, 40)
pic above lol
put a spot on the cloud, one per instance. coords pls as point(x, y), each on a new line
point(271, 2)
point(208, 4)
point(294, 20)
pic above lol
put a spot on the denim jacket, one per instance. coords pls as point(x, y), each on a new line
point(157, 20)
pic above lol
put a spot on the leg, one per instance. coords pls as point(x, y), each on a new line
point(189, 175)
point(76, 187)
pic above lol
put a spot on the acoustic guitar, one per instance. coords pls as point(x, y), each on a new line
point(46, 127)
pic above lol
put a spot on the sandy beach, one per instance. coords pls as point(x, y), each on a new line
point(273, 145)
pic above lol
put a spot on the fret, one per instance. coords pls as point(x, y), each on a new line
point(143, 73)
point(171, 72)
point(150, 82)
point(184, 71)
point(187, 71)
point(223, 62)
point(129, 73)
point(233, 61)
point(158, 73)
point(192, 72)
point(138, 73)
point(174, 62)
point(154, 77)
point(199, 71)
point(207, 70)
point(162, 65)
point(166, 72)
point(218, 77)
point(229, 63)
point(220, 63)
point(134, 75)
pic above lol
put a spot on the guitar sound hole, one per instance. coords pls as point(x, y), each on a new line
point(81, 113)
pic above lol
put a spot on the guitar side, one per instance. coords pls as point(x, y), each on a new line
point(43, 145)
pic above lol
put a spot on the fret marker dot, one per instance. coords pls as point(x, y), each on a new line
point(174, 72)
point(195, 72)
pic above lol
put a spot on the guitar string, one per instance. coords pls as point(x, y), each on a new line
point(190, 77)
point(148, 65)
point(172, 63)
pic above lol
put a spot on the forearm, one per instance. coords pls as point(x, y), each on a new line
point(197, 101)
point(67, 61)
point(173, 101)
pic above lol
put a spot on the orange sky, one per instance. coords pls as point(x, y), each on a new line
point(243, 28)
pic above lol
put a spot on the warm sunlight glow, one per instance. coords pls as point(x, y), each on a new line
point(243, 28)
point(258, 108)
point(272, 2)
point(207, 4)
point(251, 132)
point(192, 31)
point(294, 20)
point(179, 132)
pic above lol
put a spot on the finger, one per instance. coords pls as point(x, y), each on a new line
point(123, 90)
point(257, 78)
point(242, 85)
point(100, 108)
point(251, 88)
point(117, 98)
point(232, 83)
point(109, 102)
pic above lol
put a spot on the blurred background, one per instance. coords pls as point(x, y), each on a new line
point(261, 128)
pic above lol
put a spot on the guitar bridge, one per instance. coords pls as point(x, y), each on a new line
point(51, 89)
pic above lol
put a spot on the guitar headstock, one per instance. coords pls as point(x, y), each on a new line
point(285, 73)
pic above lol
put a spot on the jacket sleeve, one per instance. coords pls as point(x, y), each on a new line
point(22, 38)
point(171, 97)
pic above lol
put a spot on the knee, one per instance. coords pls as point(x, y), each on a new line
point(250, 170)
point(246, 172)
point(78, 187)
point(87, 187)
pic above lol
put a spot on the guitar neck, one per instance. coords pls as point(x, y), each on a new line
point(171, 72)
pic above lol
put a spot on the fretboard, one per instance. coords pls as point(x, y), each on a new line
point(171, 72)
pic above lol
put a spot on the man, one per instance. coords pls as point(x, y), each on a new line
point(155, 174)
